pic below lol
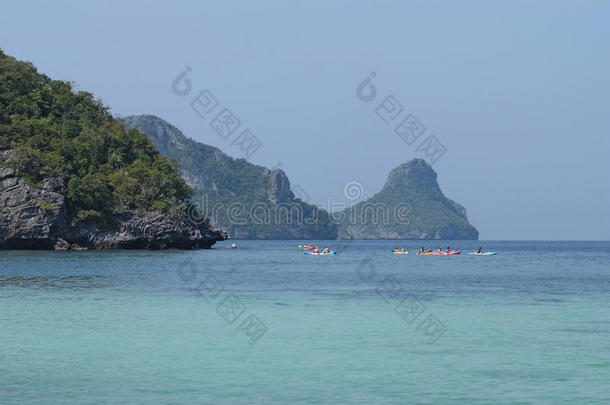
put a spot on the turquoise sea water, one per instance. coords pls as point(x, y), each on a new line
point(265, 323)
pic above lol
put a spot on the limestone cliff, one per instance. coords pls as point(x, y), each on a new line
point(247, 200)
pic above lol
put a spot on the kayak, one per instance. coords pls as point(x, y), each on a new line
point(332, 252)
point(401, 253)
point(483, 253)
point(453, 252)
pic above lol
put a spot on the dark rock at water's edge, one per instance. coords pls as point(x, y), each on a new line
point(30, 217)
point(414, 207)
point(144, 230)
point(35, 217)
point(249, 201)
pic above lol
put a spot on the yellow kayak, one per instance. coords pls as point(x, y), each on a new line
point(401, 253)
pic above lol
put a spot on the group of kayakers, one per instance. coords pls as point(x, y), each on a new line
point(397, 250)
point(422, 251)
point(439, 251)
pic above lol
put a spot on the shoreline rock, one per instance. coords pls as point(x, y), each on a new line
point(144, 230)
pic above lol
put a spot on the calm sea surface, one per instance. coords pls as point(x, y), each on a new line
point(265, 323)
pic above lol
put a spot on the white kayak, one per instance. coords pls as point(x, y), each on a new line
point(483, 253)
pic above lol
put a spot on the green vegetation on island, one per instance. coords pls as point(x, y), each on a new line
point(54, 131)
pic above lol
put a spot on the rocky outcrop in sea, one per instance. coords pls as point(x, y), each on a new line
point(410, 205)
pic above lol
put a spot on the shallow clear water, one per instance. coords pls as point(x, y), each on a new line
point(265, 323)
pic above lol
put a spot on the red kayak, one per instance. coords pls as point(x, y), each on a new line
point(453, 252)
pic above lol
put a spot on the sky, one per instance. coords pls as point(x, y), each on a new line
point(516, 93)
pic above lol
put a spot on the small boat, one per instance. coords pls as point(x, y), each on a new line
point(231, 246)
point(401, 253)
point(332, 252)
point(483, 253)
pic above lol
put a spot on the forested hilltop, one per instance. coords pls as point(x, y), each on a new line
point(58, 141)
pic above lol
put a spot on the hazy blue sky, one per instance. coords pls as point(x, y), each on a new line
point(518, 92)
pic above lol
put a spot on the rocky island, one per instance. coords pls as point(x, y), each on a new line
point(410, 205)
point(72, 177)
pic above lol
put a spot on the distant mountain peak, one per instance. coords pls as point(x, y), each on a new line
point(413, 191)
point(414, 167)
point(413, 173)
